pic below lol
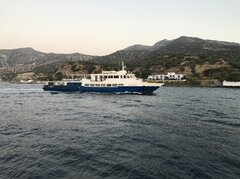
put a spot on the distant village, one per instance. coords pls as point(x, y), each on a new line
point(168, 76)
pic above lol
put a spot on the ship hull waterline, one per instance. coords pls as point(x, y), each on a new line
point(116, 90)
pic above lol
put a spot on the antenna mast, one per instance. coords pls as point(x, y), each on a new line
point(123, 67)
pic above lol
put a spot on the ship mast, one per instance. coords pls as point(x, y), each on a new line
point(123, 67)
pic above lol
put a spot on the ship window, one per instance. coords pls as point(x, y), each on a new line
point(114, 84)
point(120, 84)
point(91, 84)
point(108, 84)
point(98, 85)
point(124, 76)
point(86, 85)
point(116, 76)
point(103, 85)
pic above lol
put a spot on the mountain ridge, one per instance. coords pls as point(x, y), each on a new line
point(30, 53)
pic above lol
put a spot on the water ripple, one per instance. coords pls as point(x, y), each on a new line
point(177, 133)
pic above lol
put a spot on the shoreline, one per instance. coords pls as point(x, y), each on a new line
point(177, 84)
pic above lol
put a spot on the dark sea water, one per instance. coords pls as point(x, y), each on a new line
point(176, 133)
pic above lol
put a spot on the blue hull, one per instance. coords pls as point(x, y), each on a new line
point(118, 89)
point(121, 89)
point(71, 87)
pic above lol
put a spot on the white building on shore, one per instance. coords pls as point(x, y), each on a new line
point(168, 76)
point(156, 77)
point(231, 84)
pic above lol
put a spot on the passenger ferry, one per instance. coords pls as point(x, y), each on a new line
point(105, 82)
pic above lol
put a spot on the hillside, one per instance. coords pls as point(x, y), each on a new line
point(28, 60)
point(199, 59)
point(216, 59)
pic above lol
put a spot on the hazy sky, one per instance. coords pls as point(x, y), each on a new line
point(100, 27)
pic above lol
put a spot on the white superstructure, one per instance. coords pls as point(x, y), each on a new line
point(115, 78)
